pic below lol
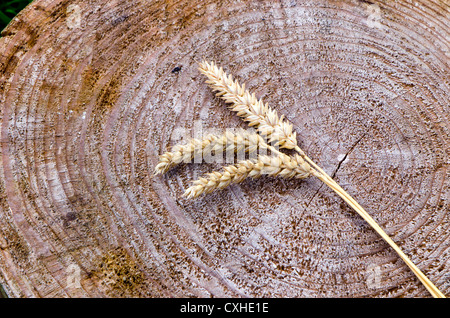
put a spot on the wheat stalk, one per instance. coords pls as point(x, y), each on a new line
point(238, 141)
point(278, 129)
point(282, 165)
point(434, 291)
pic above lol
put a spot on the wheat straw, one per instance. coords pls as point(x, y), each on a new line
point(434, 291)
point(283, 166)
point(234, 141)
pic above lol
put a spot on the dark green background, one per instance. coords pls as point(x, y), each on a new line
point(9, 9)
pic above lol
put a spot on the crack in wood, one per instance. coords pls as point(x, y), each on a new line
point(346, 155)
point(336, 170)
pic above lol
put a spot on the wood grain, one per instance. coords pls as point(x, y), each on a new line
point(93, 91)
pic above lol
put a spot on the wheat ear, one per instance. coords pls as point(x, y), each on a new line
point(247, 106)
point(240, 140)
point(281, 165)
point(269, 124)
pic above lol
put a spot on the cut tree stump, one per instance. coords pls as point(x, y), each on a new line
point(92, 92)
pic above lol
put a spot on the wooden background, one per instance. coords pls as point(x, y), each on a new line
point(93, 91)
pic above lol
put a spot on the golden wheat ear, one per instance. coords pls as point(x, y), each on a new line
point(247, 106)
point(231, 141)
point(282, 166)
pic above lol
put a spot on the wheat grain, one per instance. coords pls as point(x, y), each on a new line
point(246, 105)
point(230, 141)
point(281, 165)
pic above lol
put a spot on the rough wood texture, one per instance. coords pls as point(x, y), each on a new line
point(93, 91)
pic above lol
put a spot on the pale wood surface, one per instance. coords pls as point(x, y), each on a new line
point(91, 95)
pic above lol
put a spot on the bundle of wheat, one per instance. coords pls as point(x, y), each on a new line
point(276, 130)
